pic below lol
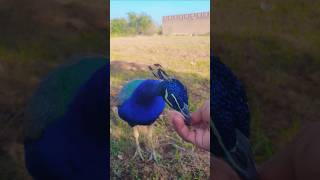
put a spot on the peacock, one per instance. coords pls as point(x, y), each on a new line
point(230, 121)
point(66, 123)
point(141, 101)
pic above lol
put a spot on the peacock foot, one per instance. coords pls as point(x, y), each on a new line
point(138, 151)
point(154, 156)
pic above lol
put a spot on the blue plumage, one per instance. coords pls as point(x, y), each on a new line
point(231, 120)
point(141, 101)
point(176, 95)
point(143, 105)
point(72, 144)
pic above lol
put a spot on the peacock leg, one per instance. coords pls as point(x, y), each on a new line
point(153, 154)
point(136, 136)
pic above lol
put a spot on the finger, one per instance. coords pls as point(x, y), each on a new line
point(195, 116)
point(202, 114)
point(197, 136)
point(205, 110)
point(181, 128)
point(172, 113)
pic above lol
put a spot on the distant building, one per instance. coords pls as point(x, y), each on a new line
point(188, 24)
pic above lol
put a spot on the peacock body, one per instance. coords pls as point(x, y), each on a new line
point(66, 123)
point(141, 101)
point(140, 104)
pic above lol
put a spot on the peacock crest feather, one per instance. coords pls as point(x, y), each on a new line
point(158, 71)
point(174, 92)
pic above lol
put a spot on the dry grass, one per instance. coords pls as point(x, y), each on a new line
point(186, 54)
point(187, 58)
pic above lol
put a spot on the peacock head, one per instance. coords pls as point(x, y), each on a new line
point(173, 92)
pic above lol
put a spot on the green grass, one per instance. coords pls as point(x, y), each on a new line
point(178, 159)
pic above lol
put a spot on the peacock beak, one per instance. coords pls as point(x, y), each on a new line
point(186, 114)
point(187, 118)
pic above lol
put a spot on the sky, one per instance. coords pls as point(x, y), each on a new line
point(157, 8)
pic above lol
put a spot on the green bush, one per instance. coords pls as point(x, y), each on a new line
point(135, 24)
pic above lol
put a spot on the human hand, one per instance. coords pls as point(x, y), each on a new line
point(299, 160)
point(199, 135)
point(220, 170)
point(199, 131)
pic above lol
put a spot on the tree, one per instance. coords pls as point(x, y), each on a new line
point(145, 23)
point(119, 26)
point(134, 24)
point(139, 23)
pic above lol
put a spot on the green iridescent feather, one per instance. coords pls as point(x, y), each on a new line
point(127, 90)
point(50, 100)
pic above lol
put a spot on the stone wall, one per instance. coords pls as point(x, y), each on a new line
point(189, 24)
